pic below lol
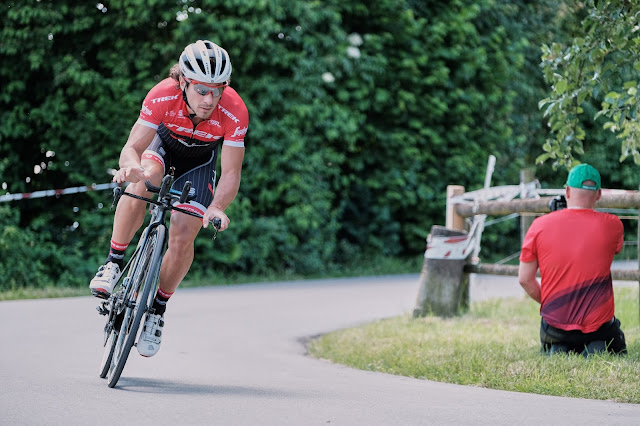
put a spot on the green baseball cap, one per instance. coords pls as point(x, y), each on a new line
point(582, 173)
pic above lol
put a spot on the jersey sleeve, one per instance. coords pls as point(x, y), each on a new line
point(529, 251)
point(237, 124)
point(155, 104)
point(618, 230)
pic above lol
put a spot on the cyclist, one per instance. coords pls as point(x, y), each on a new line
point(183, 122)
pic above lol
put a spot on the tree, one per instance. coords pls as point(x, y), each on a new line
point(601, 65)
point(361, 113)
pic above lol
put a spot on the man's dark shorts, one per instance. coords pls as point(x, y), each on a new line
point(576, 341)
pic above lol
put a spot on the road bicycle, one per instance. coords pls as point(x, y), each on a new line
point(138, 282)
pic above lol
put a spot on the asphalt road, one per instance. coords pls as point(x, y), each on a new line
point(236, 356)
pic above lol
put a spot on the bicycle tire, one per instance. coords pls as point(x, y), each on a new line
point(118, 312)
point(107, 356)
point(111, 330)
point(144, 276)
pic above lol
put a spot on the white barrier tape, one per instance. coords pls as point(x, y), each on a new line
point(54, 192)
point(456, 247)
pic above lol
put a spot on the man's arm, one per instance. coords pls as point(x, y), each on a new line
point(527, 277)
point(228, 185)
point(140, 138)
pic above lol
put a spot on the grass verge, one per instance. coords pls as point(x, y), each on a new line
point(383, 265)
point(495, 345)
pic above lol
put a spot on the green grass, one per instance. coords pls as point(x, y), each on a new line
point(43, 293)
point(383, 265)
point(495, 345)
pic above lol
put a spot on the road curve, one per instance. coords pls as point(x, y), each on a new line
point(235, 356)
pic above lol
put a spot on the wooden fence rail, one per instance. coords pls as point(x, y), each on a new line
point(624, 200)
point(512, 270)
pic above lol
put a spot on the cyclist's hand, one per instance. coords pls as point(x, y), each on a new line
point(131, 174)
point(213, 212)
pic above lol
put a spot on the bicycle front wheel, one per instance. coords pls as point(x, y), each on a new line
point(107, 356)
point(144, 276)
point(111, 331)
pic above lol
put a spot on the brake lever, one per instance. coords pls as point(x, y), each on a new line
point(117, 193)
point(217, 223)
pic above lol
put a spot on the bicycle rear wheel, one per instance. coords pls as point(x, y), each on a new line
point(144, 276)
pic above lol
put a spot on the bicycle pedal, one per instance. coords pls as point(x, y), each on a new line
point(103, 309)
point(100, 294)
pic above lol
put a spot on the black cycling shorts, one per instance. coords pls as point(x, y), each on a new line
point(200, 171)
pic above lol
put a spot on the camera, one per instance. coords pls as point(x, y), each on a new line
point(558, 203)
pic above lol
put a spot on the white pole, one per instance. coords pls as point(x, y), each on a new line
point(490, 168)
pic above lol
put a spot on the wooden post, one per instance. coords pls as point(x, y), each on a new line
point(444, 287)
point(526, 176)
point(453, 219)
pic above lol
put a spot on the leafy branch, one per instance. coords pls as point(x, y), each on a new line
point(602, 65)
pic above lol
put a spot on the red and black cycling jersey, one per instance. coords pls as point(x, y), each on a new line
point(165, 110)
point(192, 150)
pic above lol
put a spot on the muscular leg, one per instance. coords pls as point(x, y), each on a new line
point(130, 212)
point(177, 260)
point(175, 264)
point(128, 218)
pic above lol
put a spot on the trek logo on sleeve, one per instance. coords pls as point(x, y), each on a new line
point(228, 114)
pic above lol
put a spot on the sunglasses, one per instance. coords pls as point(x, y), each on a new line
point(202, 89)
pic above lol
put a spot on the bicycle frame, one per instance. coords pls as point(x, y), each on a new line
point(140, 277)
point(159, 210)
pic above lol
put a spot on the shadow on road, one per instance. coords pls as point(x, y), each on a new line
point(168, 387)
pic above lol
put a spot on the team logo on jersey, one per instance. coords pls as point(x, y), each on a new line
point(146, 110)
point(164, 98)
point(239, 132)
point(214, 123)
point(228, 113)
point(200, 133)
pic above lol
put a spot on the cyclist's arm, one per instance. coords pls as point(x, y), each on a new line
point(527, 277)
point(227, 188)
point(131, 170)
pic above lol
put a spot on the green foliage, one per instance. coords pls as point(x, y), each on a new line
point(603, 64)
point(360, 115)
point(436, 105)
point(73, 91)
point(32, 258)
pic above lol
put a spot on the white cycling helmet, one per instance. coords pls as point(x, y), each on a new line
point(206, 62)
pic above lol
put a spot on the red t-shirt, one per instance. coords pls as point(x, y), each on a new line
point(574, 249)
